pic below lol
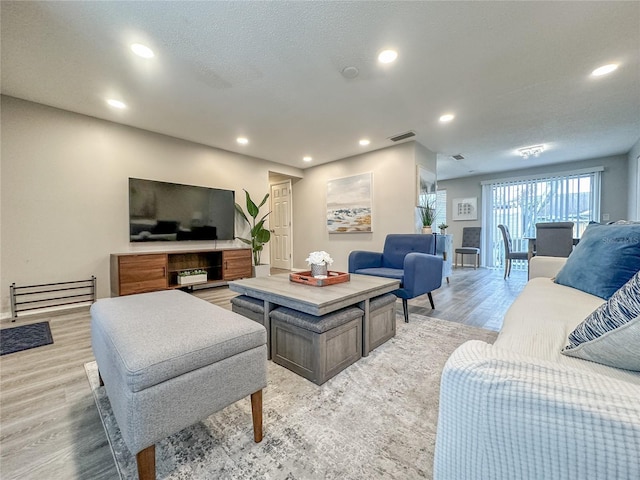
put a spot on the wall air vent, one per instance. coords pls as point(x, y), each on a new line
point(402, 136)
point(457, 157)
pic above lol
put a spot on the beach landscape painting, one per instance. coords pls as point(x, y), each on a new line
point(349, 204)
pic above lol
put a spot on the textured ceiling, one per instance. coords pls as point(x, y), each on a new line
point(514, 73)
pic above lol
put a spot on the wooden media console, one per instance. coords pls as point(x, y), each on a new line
point(152, 271)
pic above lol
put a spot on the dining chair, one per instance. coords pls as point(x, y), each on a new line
point(554, 239)
point(509, 254)
point(470, 245)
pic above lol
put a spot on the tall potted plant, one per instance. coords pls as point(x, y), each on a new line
point(427, 211)
point(259, 234)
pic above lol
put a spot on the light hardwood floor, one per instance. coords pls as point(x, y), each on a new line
point(49, 425)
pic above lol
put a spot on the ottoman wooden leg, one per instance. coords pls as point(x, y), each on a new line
point(147, 463)
point(256, 413)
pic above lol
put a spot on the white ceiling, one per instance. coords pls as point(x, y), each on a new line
point(514, 73)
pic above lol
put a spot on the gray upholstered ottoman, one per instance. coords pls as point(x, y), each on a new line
point(316, 348)
point(169, 359)
point(381, 323)
point(249, 307)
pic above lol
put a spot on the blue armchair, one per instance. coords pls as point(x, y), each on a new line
point(408, 258)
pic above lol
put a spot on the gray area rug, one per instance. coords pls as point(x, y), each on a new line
point(376, 419)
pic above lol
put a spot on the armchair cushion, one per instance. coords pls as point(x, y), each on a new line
point(396, 247)
point(396, 273)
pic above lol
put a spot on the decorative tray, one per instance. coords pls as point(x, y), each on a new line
point(331, 279)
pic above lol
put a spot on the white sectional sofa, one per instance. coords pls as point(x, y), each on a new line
point(520, 409)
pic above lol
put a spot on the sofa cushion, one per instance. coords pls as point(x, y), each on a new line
point(544, 314)
point(611, 334)
point(604, 260)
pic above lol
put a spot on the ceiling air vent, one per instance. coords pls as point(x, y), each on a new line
point(402, 136)
point(457, 157)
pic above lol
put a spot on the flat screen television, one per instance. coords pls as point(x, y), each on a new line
point(164, 212)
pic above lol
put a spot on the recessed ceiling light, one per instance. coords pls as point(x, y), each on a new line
point(605, 69)
point(364, 142)
point(142, 50)
point(387, 56)
point(447, 117)
point(242, 140)
point(116, 103)
point(307, 159)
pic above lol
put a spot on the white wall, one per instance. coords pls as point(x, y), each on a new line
point(394, 190)
point(634, 182)
point(426, 158)
point(614, 188)
point(64, 199)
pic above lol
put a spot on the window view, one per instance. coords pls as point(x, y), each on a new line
point(520, 204)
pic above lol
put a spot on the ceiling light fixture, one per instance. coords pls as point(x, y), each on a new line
point(447, 117)
point(242, 140)
point(387, 56)
point(533, 151)
point(116, 103)
point(364, 142)
point(307, 159)
point(142, 50)
point(604, 70)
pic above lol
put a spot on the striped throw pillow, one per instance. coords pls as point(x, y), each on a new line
point(611, 334)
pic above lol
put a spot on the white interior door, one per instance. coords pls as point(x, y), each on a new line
point(280, 222)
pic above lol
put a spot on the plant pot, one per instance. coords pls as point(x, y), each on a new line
point(262, 270)
point(192, 279)
point(318, 270)
point(443, 231)
point(428, 230)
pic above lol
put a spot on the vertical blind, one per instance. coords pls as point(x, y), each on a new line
point(441, 208)
point(521, 203)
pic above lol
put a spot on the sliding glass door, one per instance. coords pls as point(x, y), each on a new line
point(522, 202)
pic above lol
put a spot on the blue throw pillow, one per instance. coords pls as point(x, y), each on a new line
point(604, 260)
point(611, 334)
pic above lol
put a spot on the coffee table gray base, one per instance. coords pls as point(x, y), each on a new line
point(278, 291)
point(380, 323)
point(316, 348)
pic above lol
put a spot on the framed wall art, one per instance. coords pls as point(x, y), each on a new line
point(425, 185)
point(349, 201)
point(465, 208)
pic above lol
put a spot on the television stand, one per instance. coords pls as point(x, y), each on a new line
point(152, 271)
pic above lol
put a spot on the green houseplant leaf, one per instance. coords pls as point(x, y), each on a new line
point(259, 234)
